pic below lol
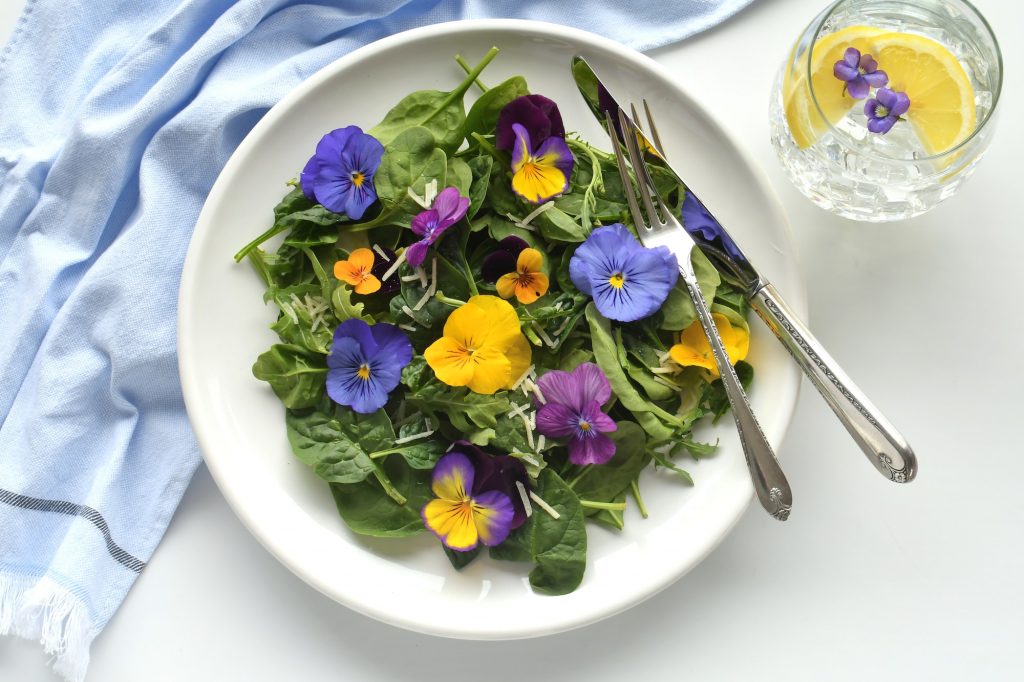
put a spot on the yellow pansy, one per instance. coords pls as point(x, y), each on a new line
point(694, 350)
point(482, 347)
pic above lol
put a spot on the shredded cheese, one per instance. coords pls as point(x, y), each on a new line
point(662, 370)
point(541, 442)
point(536, 391)
point(519, 223)
point(394, 266)
point(527, 458)
point(561, 328)
point(407, 327)
point(410, 278)
point(529, 431)
point(408, 311)
point(380, 252)
point(662, 357)
point(423, 300)
point(415, 436)
point(421, 274)
point(522, 378)
point(525, 222)
point(543, 335)
point(517, 410)
point(418, 199)
point(526, 498)
point(544, 505)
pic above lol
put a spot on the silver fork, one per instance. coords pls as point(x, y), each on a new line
point(656, 226)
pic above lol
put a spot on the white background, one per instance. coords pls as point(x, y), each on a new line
point(866, 581)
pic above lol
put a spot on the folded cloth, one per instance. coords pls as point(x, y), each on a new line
point(117, 116)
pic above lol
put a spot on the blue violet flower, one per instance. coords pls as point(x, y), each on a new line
point(340, 174)
point(365, 364)
point(859, 72)
point(885, 109)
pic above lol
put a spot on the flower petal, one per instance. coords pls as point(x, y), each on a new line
point(858, 88)
point(852, 56)
point(876, 79)
point(491, 370)
point(538, 114)
point(485, 320)
point(450, 206)
point(362, 258)
point(506, 285)
point(392, 344)
point(452, 523)
point(531, 287)
point(596, 449)
point(450, 361)
point(536, 183)
point(308, 175)
point(592, 384)
point(358, 330)
point(886, 97)
point(881, 125)
point(868, 63)
point(453, 477)
point(556, 420)
point(522, 149)
point(425, 222)
point(900, 105)
point(562, 388)
point(555, 152)
point(368, 284)
point(530, 260)
point(844, 71)
point(416, 253)
point(496, 265)
point(519, 354)
point(493, 513)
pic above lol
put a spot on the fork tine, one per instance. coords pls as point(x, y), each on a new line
point(627, 182)
point(636, 159)
point(653, 128)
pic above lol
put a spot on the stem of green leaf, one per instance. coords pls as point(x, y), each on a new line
point(460, 92)
point(609, 506)
point(635, 489)
point(576, 479)
point(465, 67)
point(487, 146)
point(388, 486)
point(453, 302)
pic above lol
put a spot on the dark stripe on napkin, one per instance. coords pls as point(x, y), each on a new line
point(88, 513)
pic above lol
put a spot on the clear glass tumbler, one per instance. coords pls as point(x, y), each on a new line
point(838, 117)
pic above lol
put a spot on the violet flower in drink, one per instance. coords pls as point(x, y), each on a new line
point(885, 109)
point(859, 72)
point(572, 409)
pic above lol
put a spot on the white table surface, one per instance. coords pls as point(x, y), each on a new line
point(867, 581)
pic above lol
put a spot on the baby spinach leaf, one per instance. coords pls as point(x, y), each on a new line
point(654, 389)
point(420, 453)
point(558, 547)
point(650, 416)
point(499, 227)
point(296, 375)
point(481, 169)
point(557, 225)
point(483, 115)
point(309, 222)
point(410, 161)
point(368, 510)
point(337, 446)
point(460, 560)
point(604, 482)
point(716, 401)
point(678, 312)
point(417, 373)
point(459, 175)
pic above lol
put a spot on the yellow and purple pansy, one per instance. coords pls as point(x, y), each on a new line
point(365, 364)
point(542, 172)
point(339, 175)
point(536, 113)
point(475, 499)
point(482, 347)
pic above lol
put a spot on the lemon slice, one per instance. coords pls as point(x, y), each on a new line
point(942, 109)
point(805, 122)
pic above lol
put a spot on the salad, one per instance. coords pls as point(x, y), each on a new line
point(473, 342)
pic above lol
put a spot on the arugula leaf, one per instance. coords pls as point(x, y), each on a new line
point(344, 308)
point(466, 410)
point(296, 375)
point(337, 447)
point(483, 115)
point(558, 547)
point(368, 509)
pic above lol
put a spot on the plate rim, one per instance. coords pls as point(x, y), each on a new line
point(187, 294)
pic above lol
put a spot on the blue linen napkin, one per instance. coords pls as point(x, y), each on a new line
point(116, 117)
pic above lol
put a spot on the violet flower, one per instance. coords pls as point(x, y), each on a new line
point(365, 364)
point(859, 72)
point(698, 221)
point(503, 260)
point(885, 109)
point(340, 174)
point(448, 208)
point(536, 113)
point(572, 409)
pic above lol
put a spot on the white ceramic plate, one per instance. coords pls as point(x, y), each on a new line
point(223, 326)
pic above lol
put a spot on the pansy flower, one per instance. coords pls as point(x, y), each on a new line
point(697, 220)
point(448, 208)
point(527, 282)
point(694, 349)
point(627, 281)
point(358, 271)
point(572, 409)
point(503, 260)
point(365, 364)
point(540, 173)
point(536, 113)
point(885, 109)
point(859, 72)
point(340, 174)
point(482, 347)
point(465, 513)
point(381, 265)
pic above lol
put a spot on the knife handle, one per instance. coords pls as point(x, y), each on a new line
point(885, 448)
point(770, 484)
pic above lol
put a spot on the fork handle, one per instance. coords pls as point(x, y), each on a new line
point(770, 484)
point(885, 448)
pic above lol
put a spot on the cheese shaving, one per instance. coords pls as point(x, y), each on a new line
point(423, 300)
point(522, 378)
point(518, 223)
point(408, 311)
point(380, 252)
point(415, 436)
point(662, 357)
point(394, 266)
point(529, 431)
point(422, 275)
point(517, 410)
point(418, 199)
point(407, 327)
point(561, 327)
point(544, 505)
point(541, 442)
point(410, 278)
point(662, 370)
point(526, 498)
point(543, 335)
point(525, 222)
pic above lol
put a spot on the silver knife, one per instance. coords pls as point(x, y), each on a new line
point(884, 446)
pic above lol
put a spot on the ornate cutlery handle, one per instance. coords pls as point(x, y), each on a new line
point(770, 483)
point(881, 442)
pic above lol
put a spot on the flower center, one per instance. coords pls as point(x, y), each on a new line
point(584, 424)
point(617, 280)
point(358, 178)
point(882, 111)
point(363, 372)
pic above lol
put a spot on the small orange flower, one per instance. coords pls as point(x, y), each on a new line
point(356, 271)
point(528, 283)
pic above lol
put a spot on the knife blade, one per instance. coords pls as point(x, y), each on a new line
point(883, 445)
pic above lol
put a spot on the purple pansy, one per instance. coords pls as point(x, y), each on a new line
point(365, 364)
point(698, 221)
point(448, 208)
point(885, 109)
point(536, 113)
point(572, 409)
point(340, 174)
point(859, 72)
point(503, 260)
point(627, 281)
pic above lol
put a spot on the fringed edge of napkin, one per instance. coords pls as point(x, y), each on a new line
point(40, 609)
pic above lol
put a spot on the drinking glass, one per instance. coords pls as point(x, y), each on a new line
point(942, 54)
